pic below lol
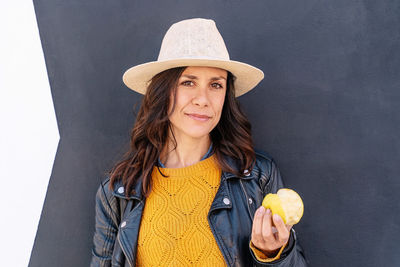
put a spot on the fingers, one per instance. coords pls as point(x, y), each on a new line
point(257, 222)
point(283, 231)
point(267, 233)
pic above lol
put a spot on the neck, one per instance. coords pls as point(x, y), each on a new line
point(188, 151)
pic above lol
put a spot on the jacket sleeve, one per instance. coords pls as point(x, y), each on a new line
point(106, 228)
point(292, 254)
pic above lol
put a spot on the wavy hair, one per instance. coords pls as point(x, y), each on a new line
point(231, 137)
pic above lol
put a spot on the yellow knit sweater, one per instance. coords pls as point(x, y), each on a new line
point(174, 230)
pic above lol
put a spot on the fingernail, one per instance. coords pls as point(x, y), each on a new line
point(268, 211)
point(262, 210)
point(276, 217)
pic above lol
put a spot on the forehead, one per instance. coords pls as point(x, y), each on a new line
point(205, 70)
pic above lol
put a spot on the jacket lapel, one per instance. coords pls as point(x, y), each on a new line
point(223, 200)
point(128, 231)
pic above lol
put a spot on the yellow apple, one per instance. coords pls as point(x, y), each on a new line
point(286, 203)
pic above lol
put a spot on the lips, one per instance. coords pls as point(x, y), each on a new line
point(198, 117)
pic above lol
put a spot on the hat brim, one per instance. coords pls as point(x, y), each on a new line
point(138, 77)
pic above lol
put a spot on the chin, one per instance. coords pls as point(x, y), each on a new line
point(198, 134)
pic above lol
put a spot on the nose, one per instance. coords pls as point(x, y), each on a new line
point(200, 97)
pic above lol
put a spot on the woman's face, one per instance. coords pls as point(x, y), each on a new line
point(200, 97)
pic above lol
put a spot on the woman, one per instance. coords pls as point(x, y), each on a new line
point(189, 191)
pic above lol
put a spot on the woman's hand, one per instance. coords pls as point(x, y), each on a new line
point(265, 236)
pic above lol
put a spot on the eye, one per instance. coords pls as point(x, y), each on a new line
point(217, 85)
point(187, 83)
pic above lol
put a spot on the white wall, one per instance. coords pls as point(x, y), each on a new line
point(28, 131)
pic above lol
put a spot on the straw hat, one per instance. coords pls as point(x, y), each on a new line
point(193, 42)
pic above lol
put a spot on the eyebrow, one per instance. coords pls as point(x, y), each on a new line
point(195, 77)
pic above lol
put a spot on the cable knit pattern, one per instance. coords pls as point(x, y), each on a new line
point(174, 230)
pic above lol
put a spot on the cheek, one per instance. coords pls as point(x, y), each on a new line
point(180, 101)
point(220, 103)
point(218, 106)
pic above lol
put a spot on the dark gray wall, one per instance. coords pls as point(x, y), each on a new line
point(328, 112)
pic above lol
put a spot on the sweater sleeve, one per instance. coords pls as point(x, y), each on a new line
point(262, 257)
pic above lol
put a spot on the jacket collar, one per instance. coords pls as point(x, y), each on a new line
point(247, 175)
point(119, 190)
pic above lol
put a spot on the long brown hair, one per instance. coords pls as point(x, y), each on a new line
point(231, 137)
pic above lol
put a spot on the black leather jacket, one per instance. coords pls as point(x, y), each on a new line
point(118, 219)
